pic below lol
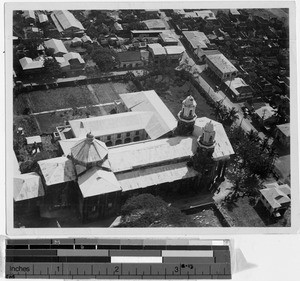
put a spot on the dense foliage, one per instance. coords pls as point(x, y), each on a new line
point(146, 210)
point(105, 59)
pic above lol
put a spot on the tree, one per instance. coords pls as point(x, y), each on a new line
point(232, 115)
point(52, 68)
point(50, 52)
point(146, 210)
point(106, 59)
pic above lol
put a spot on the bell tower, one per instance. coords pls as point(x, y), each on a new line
point(187, 117)
point(203, 160)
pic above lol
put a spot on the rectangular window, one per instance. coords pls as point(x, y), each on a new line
point(108, 137)
point(137, 133)
point(128, 134)
point(118, 136)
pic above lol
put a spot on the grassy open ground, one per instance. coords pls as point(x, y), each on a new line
point(60, 98)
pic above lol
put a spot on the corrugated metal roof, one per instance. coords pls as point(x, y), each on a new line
point(154, 176)
point(57, 45)
point(73, 55)
point(196, 38)
point(43, 18)
point(65, 20)
point(57, 170)
point(33, 139)
point(89, 150)
point(110, 124)
point(275, 196)
point(284, 128)
point(174, 50)
point(27, 186)
point(28, 14)
point(222, 63)
point(96, 182)
point(223, 148)
point(150, 101)
point(147, 153)
point(28, 63)
point(157, 49)
point(155, 24)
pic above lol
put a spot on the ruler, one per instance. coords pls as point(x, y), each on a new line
point(117, 259)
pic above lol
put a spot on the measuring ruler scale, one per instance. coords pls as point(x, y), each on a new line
point(117, 259)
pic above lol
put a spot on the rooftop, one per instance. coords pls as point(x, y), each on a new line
point(57, 45)
point(167, 37)
point(43, 18)
point(27, 186)
point(96, 182)
point(28, 14)
point(222, 63)
point(150, 101)
point(174, 50)
point(238, 86)
point(149, 153)
point(27, 63)
point(157, 49)
point(155, 24)
point(57, 170)
point(276, 195)
point(196, 38)
point(284, 128)
point(65, 20)
point(143, 178)
point(89, 150)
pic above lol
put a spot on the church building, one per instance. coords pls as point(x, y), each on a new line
point(101, 171)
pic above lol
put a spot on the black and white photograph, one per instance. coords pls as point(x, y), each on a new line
point(131, 117)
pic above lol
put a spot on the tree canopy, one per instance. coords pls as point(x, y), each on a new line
point(146, 210)
point(105, 59)
point(52, 68)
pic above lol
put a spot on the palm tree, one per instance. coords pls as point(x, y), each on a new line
point(232, 115)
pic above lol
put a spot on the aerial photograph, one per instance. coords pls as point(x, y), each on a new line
point(151, 118)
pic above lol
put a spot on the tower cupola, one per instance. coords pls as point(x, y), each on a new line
point(207, 138)
point(187, 117)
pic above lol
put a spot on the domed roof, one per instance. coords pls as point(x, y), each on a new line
point(89, 151)
point(189, 101)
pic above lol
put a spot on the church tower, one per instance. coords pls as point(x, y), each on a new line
point(187, 117)
point(203, 160)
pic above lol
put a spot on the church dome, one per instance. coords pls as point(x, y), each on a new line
point(89, 151)
point(189, 102)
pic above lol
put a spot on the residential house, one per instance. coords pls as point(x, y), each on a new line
point(174, 53)
point(31, 66)
point(276, 198)
point(239, 89)
point(195, 39)
point(265, 115)
point(155, 24)
point(29, 16)
point(57, 45)
point(129, 59)
point(282, 134)
point(43, 18)
point(168, 39)
point(157, 52)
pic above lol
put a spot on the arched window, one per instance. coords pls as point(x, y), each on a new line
point(118, 141)
point(137, 138)
point(108, 143)
point(191, 113)
point(127, 140)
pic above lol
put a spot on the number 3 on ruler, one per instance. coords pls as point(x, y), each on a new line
point(176, 269)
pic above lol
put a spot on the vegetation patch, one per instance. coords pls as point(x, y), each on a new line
point(60, 98)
